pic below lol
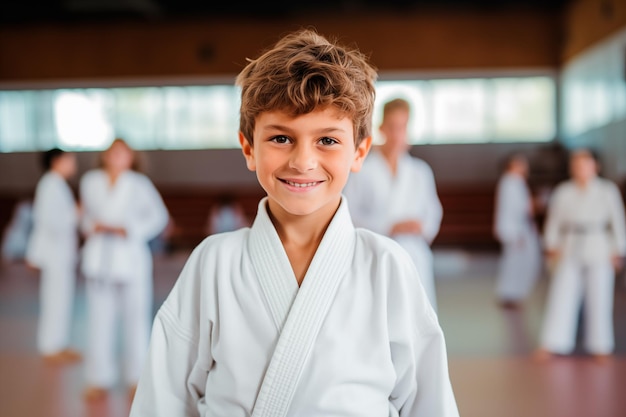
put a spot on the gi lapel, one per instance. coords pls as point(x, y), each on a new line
point(272, 266)
point(305, 317)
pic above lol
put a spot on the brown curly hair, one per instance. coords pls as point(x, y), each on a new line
point(303, 72)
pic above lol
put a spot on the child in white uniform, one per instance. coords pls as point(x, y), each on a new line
point(301, 314)
point(515, 229)
point(52, 248)
point(123, 211)
point(585, 238)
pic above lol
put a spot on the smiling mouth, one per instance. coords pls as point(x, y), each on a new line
point(301, 184)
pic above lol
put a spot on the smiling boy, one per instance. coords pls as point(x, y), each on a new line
point(301, 314)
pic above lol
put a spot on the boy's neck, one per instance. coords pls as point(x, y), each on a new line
point(300, 236)
point(300, 231)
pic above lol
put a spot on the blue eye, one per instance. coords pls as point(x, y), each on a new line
point(327, 141)
point(280, 139)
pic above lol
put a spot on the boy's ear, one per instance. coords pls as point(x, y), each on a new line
point(248, 152)
point(361, 153)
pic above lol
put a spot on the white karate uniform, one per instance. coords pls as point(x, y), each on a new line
point(358, 338)
point(587, 227)
point(53, 248)
point(119, 270)
point(378, 200)
point(514, 227)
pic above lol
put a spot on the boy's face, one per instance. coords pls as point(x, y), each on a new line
point(303, 162)
point(394, 129)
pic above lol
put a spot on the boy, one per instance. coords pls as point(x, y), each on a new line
point(395, 194)
point(515, 229)
point(52, 249)
point(585, 239)
point(301, 314)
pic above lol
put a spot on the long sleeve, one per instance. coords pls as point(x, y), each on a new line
point(179, 359)
point(151, 217)
point(86, 189)
point(552, 229)
point(434, 212)
point(54, 208)
point(510, 209)
point(618, 226)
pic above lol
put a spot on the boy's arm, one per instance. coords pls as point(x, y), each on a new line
point(174, 376)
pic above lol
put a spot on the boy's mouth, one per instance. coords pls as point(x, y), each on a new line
point(300, 184)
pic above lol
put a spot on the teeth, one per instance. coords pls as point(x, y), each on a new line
point(301, 185)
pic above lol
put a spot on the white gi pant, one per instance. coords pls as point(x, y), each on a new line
point(109, 301)
point(573, 282)
point(56, 299)
point(520, 267)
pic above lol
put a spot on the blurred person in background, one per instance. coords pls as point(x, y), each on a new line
point(226, 215)
point(394, 194)
point(515, 229)
point(123, 211)
point(585, 240)
point(17, 232)
point(53, 250)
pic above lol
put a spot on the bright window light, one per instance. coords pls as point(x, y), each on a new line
point(80, 121)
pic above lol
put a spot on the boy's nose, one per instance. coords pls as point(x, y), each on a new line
point(303, 159)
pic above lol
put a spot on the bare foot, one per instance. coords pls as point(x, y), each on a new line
point(542, 355)
point(602, 358)
point(63, 357)
point(71, 355)
point(95, 394)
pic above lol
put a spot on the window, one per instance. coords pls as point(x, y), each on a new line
point(459, 110)
point(475, 110)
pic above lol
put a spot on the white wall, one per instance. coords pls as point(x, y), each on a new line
point(593, 96)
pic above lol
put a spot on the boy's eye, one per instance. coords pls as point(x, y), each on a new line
point(328, 141)
point(280, 139)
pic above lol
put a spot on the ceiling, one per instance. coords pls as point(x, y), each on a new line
point(37, 11)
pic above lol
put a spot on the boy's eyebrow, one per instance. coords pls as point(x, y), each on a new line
point(318, 131)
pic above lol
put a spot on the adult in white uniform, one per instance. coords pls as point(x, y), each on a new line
point(515, 229)
point(395, 194)
point(53, 248)
point(585, 238)
point(122, 212)
point(301, 314)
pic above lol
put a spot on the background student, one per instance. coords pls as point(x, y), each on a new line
point(52, 248)
point(123, 211)
point(515, 229)
point(585, 240)
point(395, 194)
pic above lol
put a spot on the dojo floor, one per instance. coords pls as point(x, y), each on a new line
point(490, 368)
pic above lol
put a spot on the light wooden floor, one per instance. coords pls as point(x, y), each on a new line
point(490, 368)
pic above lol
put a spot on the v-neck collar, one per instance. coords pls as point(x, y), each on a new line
point(278, 281)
